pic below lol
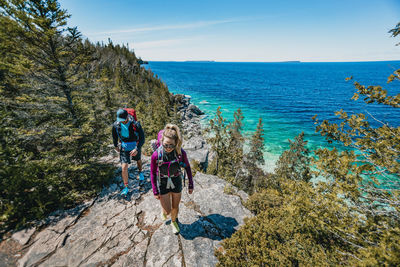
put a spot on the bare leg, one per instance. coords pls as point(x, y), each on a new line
point(176, 199)
point(139, 165)
point(165, 201)
point(125, 172)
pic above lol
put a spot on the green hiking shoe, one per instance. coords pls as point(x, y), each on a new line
point(175, 227)
point(163, 216)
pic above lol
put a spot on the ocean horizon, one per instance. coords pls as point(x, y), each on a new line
point(284, 61)
point(286, 95)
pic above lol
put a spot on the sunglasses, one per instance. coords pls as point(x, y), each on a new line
point(168, 146)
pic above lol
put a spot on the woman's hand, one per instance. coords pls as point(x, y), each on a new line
point(134, 152)
point(116, 148)
point(190, 190)
point(157, 196)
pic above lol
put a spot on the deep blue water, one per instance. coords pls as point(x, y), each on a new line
point(284, 95)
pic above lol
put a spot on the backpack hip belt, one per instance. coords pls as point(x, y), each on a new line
point(128, 146)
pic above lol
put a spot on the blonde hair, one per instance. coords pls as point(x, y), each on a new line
point(172, 131)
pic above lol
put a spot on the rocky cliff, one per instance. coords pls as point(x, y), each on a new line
point(114, 231)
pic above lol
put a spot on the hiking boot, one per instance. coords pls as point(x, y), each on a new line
point(141, 176)
point(175, 227)
point(163, 216)
point(125, 191)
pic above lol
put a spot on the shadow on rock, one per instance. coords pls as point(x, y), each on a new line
point(213, 226)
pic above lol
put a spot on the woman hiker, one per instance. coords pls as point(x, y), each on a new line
point(166, 174)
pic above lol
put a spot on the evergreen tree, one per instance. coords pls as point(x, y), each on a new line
point(294, 163)
point(256, 153)
point(233, 164)
point(13, 65)
point(253, 177)
point(395, 31)
point(236, 128)
point(368, 180)
point(218, 139)
point(55, 51)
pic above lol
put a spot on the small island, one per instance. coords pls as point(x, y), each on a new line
point(199, 61)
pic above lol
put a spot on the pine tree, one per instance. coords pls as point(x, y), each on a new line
point(294, 163)
point(233, 164)
point(254, 177)
point(257, 144)
point(218, 139)
point(236, 127)
point(55, 51)
point(368, 180)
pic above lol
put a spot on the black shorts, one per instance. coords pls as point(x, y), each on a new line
point(125, 156)
point(177, 181)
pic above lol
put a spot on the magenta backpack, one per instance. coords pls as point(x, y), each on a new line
point(157, 143)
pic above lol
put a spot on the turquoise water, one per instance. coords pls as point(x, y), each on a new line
point(284, 95)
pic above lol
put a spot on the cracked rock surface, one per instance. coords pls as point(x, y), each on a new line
point(113, 231)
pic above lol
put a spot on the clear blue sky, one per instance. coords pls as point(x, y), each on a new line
point(308, 30)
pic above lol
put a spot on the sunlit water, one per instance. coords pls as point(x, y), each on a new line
point(284, 95)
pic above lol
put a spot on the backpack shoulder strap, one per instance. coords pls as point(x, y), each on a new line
point(177, 157)
point(180, 157)
point(182, 165)
point(135, 125)
point(160, 155)
point(133, 122)
point(117, 126)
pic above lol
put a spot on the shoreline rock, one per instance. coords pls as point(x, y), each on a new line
point(194, 143)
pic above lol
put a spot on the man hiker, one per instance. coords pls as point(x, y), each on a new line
point(129, 133)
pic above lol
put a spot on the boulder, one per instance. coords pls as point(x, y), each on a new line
point(194, 109)
point(188, 116)
point(183, 100)
point(194, 143)
point(200, 156)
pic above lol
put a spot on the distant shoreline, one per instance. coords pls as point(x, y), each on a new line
point(266, 62)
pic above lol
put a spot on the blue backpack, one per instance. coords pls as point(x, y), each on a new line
point(128, 146)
